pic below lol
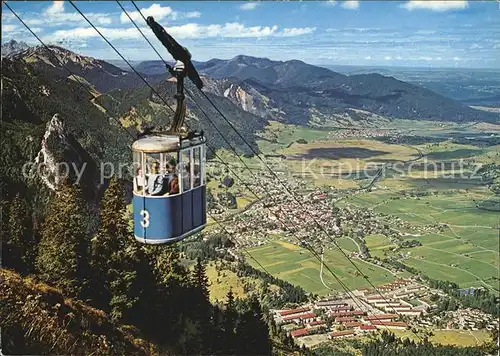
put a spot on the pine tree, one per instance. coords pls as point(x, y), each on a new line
point(245, 332)
point(114, 257)
point(168, 302)
point(252, 330)
point(62, 259)
point(19, 244)
point(229, 323)
point(200, 297)
point(200, 280)
point(216, 339)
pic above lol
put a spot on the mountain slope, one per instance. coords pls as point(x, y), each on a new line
point(297, 88)
point(142, 106)
point(80, 139)
point(101, 74)
point(84, 131)
point(35, 317)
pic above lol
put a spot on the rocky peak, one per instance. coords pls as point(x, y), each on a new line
point(13, 47)
point(46, 159)
point(62, 157)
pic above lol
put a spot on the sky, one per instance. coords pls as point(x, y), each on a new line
point(372, 33)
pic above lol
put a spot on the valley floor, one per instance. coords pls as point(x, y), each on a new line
point(439, 198)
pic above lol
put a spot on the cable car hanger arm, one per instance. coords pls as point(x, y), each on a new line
point(182, 67)
point(177, 51)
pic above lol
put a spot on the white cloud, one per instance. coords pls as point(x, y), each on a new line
point(187, 31)
point(57, 7)
point(435, 5)
point(249, 6)
point(9, 28)
point(192, 15)
point(156, 10)
point(387, 58)
point(368, 57)
point(230, 30)
point(350, 4)
point(34, 22)
point(292, 32)
point(330, 3)
point(425, 58)
point(55, 15)
point(159, 13)
point(475, 46)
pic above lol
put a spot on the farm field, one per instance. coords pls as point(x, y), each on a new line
point(298, 266)
point(378, 245)
point(450, 337)
point(465, 251)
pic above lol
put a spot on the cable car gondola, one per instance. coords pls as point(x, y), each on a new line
point(169, 196)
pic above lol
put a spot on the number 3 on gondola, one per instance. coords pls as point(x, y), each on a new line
point(145, 220)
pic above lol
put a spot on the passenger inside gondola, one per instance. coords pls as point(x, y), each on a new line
point(197, 176)
point(157, 183)
point(173, 181)
point(174, 185)
point(139, 180)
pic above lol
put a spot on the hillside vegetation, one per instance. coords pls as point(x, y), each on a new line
point(36, 318)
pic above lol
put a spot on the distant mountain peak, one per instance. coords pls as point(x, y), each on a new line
point(13, 47)
point(64, 55)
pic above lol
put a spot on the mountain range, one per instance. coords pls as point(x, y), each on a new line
point(90, 116)
point(298, 88)
point(99, 100)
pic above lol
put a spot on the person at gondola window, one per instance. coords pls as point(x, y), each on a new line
point(156, 181)
point(173, 180)
point(139, 180)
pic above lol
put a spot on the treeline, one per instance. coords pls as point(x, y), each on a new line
point(410, 243)
point(206, 249)
point(480, 299)
point(389, 345)
point(288, 294)
point(143, 286)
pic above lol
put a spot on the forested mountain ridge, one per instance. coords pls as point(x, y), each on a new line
point(118, 282)
point(36, 90)
point(144, 106)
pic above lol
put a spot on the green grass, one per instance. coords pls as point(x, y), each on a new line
point(470, 241)
point(378, 244)
point(460, 337)
point(347, 245)
point(284, 135)
point(297, 266)
point(220, 285)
